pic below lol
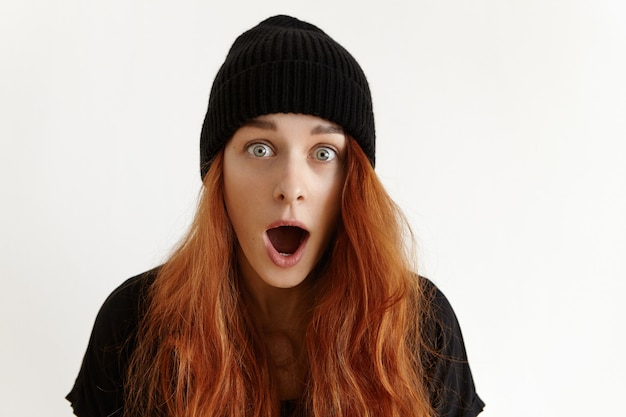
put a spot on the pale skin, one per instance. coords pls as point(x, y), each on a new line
point(283, 170)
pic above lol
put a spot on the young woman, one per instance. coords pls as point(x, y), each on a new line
point(292, 293)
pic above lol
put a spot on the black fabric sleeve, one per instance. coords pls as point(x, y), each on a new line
point(451, 385)
point(98, 389)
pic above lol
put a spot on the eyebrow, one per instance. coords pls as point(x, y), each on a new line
point(261, 124)
point(319, 129)
point(323, 129)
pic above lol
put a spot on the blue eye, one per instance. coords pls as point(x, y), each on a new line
point(325, 154)
point(260, 150)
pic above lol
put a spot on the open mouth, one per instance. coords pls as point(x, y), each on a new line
point(286, 239)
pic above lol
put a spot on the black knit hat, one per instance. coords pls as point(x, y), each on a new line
point(285, 65)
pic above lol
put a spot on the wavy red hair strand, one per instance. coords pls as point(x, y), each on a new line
point(198, 353)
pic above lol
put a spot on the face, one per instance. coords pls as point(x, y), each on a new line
point(283, 176)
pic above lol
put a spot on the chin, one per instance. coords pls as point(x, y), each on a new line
point(286, 281)
point(292, 277)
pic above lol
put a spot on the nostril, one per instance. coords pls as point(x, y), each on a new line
point(289, 190)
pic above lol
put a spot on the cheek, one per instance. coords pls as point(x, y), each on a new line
point(242, 197)
point(237, 181)
point(330, 199)
point(234, 193)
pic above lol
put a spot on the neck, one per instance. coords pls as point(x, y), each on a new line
point(278, 309)
point(280, 316)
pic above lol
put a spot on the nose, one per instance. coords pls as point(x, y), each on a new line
point(291, 182)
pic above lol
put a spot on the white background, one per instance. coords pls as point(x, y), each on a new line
point(501, 128)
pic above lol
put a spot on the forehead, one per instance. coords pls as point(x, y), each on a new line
point(276, 121)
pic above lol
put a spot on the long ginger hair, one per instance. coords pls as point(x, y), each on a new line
point(197, 353)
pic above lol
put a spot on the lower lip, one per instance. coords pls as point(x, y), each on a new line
point(285, 261)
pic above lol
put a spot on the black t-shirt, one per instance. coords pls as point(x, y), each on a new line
point(98, 390)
